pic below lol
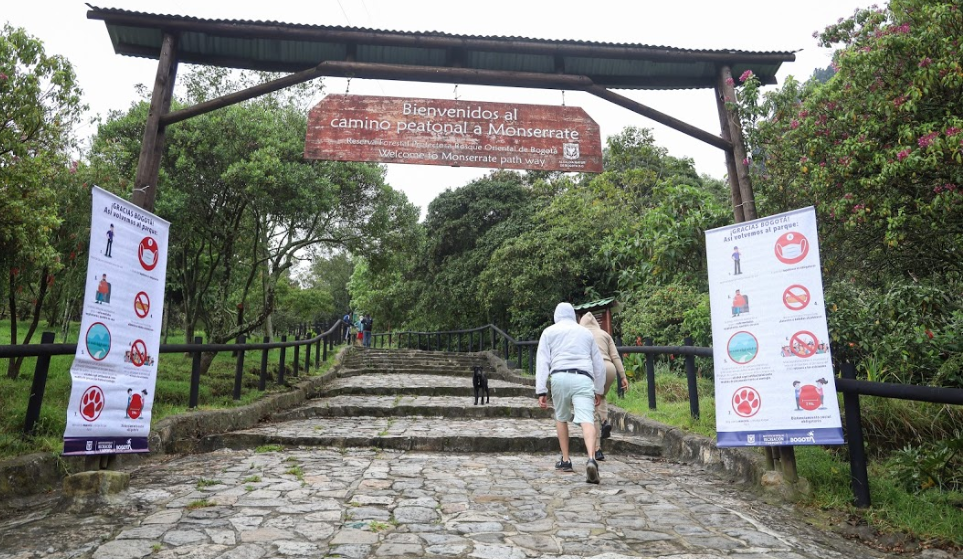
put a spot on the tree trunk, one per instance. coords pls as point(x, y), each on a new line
point(13, 366)
point(13, 370)
point(206, 359)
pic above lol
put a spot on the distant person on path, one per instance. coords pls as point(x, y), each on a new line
point(613, 369)
point(736, 257)
point(569, 358)
point(366, 328)
point(347, 326)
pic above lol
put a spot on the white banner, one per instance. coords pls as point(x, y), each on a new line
point(773, 368)
point(115, 368)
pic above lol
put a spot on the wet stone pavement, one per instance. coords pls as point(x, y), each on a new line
point(360, 503)
point(379, 466)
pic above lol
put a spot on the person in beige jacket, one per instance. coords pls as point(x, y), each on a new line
point(613, 368)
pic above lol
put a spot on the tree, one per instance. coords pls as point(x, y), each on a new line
point(878, 150)
point(245, 207)
point(40, 102)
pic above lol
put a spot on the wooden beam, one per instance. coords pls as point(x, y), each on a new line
point(730, 157)
point(387, 72)
point(151, 149)
point(659, 117)
point(727, 85)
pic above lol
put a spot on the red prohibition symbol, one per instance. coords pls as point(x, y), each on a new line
point(138, 353)
point(148, 253)
point(792, 247)
point(796, 297)
point(803, 344)
point(141, 305)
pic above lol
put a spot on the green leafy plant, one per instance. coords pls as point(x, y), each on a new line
point(201, 483)
point(936, 465)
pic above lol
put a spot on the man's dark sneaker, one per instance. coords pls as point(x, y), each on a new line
point(606, 429)
point(599, 456)
point(564, 466)
point(592, 471)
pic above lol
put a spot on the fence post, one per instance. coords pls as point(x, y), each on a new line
point(296, 362)
point(307, 357)
point(239, 370)
point(854, 432)
point(195, 373)
point(262, 380)
point(38, 387)
point(505, 348)
point(531, 360)
point(691, 377)
point(284, 339)
point(317, 352)
point(438, 341)
point(650, 373)
point(324, 357)
point(492, 339)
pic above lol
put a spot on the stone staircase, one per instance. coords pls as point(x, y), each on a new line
point(424, 401)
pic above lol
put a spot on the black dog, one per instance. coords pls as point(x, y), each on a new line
point(480, 382)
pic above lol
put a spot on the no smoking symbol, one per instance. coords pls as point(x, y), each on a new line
point(141, 304)
point(138, 353)
point(796, 297)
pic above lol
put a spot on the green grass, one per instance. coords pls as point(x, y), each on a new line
point(931, 517)
point(171, 397)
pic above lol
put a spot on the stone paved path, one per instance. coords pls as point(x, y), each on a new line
point(359, 503)
point(263, 500)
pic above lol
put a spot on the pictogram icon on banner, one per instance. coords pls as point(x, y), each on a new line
point(792, 247)
point(148, 253)
point(92, 403)
point(796, 297)
point(141, 305)
point(746, 401)
point(98, 341)
point(803, 344)
point(138, 353)
point(742, 347)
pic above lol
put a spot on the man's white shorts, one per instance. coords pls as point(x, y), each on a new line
point(573, 391)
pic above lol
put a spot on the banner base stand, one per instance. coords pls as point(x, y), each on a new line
point(776, 484)
point(90, 491)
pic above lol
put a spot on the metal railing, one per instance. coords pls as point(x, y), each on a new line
point(321, 342)
point(851, 389)
point(488, 337)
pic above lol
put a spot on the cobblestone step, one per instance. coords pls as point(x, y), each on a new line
point(424, 433)
point(407, 405)
point(393, 384)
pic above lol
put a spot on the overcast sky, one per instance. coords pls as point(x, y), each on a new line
point(109, 80)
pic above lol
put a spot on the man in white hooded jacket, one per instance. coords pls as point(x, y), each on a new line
point(569, 358)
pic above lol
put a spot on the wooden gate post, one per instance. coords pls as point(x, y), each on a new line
point(747, 198)
point(148, 166)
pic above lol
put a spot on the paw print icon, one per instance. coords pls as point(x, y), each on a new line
point(746, 401)
point(92, 403)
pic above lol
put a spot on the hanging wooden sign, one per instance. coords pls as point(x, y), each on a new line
point(453, 133)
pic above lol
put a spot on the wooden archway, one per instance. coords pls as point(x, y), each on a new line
point(310, 51)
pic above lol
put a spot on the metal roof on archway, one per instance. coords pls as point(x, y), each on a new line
point(285, 47)
point(306, 52)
